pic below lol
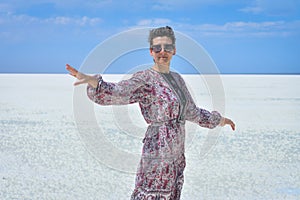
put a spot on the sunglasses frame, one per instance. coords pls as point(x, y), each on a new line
point(158, 48)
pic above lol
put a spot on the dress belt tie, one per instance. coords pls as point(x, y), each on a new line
point(171, 121)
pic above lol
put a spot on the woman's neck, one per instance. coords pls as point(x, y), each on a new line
point(161, 68)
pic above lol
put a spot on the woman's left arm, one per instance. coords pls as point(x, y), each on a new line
point(205, 118)
point(201, 116)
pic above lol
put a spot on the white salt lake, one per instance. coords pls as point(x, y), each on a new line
point(43, 155)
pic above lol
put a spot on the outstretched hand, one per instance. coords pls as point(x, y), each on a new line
point(81, 77)
point(226, 121)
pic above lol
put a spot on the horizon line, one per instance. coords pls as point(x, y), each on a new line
point(21, 73)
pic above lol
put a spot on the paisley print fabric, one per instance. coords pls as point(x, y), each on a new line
point(165, 106)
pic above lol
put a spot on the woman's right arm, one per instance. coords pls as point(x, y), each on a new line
point(106, 93)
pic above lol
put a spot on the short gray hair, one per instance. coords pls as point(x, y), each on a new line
point(160, 32)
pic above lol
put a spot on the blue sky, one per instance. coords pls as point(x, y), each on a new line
point(249, 36)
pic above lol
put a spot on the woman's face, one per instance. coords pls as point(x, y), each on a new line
point(163, 57)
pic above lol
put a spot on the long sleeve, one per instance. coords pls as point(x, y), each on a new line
point(202, 117)
point(198, 115)
point(121, 93)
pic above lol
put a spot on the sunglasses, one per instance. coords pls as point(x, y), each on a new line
point(158, 48)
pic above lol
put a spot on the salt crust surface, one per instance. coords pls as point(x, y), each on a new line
point(43, 157)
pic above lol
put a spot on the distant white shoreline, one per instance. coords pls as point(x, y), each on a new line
point(120, 74)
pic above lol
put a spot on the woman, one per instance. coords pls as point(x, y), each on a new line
point(165, 104)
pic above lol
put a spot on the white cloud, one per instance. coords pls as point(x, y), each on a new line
point(82, 21)
point(19, 28)
point(175, 4)
point(154, 22)
point(272, 7)
point(244, 29)
point(230, 29)
point(10, 19)
point(86, 5)
point(252, 9)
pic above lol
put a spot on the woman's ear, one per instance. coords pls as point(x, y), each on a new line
point(174, 52)
point(151, 52)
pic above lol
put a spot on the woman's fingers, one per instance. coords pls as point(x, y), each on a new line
point(226, 121)
point(72, 70)
point(230, 122)
point(82, 78)
point(232, 125)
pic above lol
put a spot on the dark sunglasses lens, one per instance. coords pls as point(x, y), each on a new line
point(156, 48)
point(169, 47)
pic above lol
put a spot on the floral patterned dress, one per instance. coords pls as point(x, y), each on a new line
point(166, 104)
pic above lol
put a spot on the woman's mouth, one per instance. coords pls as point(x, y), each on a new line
point(163, 57)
